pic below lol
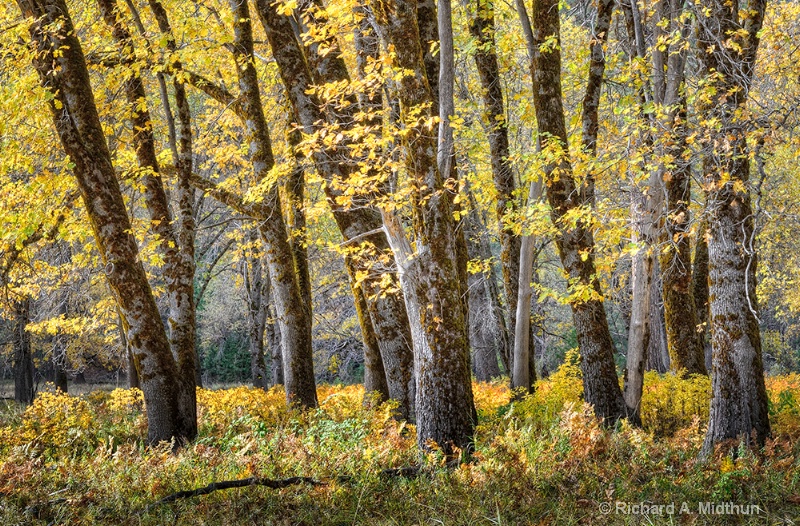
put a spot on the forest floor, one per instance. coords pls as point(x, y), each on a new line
point(545, 460)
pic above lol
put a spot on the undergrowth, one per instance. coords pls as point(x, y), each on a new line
point(544, 460)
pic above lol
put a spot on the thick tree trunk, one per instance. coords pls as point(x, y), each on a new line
point(482, 28)
point(575, 242)
point(445, 408)
point(739, 398)
point(24, 389)
point(294, 313)
point(78, 125)
point(360, 222)
point(179, 266)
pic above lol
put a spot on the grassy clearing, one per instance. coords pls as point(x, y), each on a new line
point(81, 460)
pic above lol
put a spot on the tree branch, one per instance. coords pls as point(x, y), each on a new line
point(404, 472)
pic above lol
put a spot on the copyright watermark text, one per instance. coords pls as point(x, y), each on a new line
point(674, 508)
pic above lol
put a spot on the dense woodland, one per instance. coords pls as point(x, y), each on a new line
point(471, 231)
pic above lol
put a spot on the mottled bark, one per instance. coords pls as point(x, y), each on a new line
point(294, 314)
point(182, 319)
point(445, 408)
point(178, 264)
point(428, 31)
point(482, 28)
point(575, 242)
point(680, 315)
point(24, 389)
point(684, 341)
point(359, 221)
point(700, 289)
point(440, 71)
point(78, 126)
point(594, 85)
point(739, 399)
point(295, 190)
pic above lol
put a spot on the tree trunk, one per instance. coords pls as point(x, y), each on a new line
point(296, 220)
point(130, 361)
point(179, 266)
point(488, 336)
point(482, 27)
point(182, 319)
point(294, 313)
point(700, 289)
point(24, 389)
point(739, 398)
point(273, 338)
point(445, 408)
point(523, 378)
point(256, 314)
point(376, 388)
point(78, 125)
point(680, 315)
point(658, 351)
point(575, 242)
point(358, 222)
point(639, 333)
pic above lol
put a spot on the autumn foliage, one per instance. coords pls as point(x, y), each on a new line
point(82, 459)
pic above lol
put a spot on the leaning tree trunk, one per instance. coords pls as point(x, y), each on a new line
point(359, 222)
point(445, 408)
point(575, 242)
point(739, 398)
point(294, 313)
point(179, 266)
point(23, 354)
point(62, 68)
